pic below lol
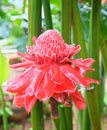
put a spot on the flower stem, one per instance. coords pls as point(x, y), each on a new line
point(24, 6)
point(62, 120)
point(5, 122)
point(34, 29)
point(68, 117)
point(85, 120)
point(94, 53)
point(78, 36)
point(104, 55)
point(94, 40)
point(102, 82)
point(66, 112)
point(47, 13)
point(34, 19)
point(78, 30)
point(66, 20)
point(37, 116)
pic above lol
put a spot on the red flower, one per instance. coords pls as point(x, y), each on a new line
point(50, 71)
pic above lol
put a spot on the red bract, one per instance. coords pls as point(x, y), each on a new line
point(50, 71)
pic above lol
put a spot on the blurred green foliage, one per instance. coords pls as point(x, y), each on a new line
point(4, 69)
point(11, 23)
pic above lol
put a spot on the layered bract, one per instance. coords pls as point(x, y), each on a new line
point(51, 71)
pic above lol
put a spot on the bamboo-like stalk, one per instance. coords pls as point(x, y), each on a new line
point(66, 34)
point(5, 122)
point(37, 116)
point(62, 120)
point(103, 73)
point(90, 94)
point(104, 55)
point(34, 29)
point(78, 30)
point(85, 121)
point(79, 39)
point(47, 14)
point(24, 6)
point(94, 53)
point(102, 83)
point(66, 20)
point(34, 19)
point(94, 40)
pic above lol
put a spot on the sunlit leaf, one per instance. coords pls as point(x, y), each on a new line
point(4, 68)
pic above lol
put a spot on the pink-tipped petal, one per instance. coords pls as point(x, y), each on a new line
point(20, 83)
point(66, 86)
point(21, 65)
point(55, 74)
point(73, 75)
point(46, 88)
point(78, 100)
point(19, 100)
point(72, 49)
point(29, 102)
point(90, 81)
point(37, 76)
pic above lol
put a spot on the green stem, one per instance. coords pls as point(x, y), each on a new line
point(34, 19)
point(62, 120)
point(68, 117)
point(34, 29)
point(94, 40)
point(47, 13)
point(24, 6)
point(80, 116)
point(93, 110)
point(102, 82)
point(94, 53)
point(104, 55)
point(78, 30)
point(66, 20)
point(79, 38)
point(66, 34)
point(85, 120)
point(56, 122)
point(37, 116)
point(5, 122)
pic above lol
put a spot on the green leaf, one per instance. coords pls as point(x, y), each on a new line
point(4, 68)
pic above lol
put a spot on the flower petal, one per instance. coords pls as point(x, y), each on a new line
point(78, 100)
point(73, 75)
point(66, 86)
point(83, 65)
point(89, 81)
point(46, 88)
point(37, 76)
point(76, 50)
point(29, 102)
point(20, 83)
point(20, 65)
point(55, 74)
point(19, 100)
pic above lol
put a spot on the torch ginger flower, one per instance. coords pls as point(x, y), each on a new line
point(50, 72)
